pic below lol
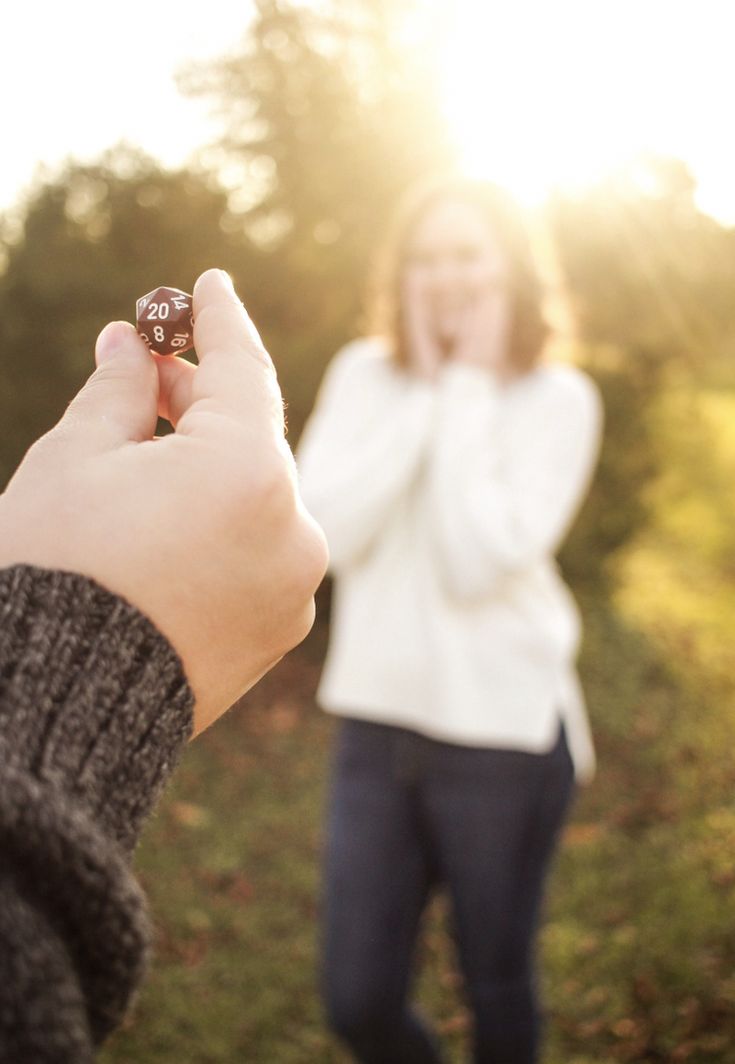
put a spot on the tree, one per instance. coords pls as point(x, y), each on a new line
point(328, 115)
point(91, 242)
point(651, 281)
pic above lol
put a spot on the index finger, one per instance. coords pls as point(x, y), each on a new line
point(235, 376)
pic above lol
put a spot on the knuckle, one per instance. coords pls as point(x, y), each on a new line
point(305, 621)
point(300, 564)
point(272, 486)
point(231, 333)
point(117, 372)
point(307, 558)
point(247, 483)
point(52, 449)
point(305, 550)
point(314, 553)
point(300, 623)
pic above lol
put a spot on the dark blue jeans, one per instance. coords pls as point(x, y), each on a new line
point(406, 814)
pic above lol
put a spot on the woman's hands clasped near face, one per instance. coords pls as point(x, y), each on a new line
point(203, 530)
point(455, 302)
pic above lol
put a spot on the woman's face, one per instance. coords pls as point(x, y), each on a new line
point(453, 256)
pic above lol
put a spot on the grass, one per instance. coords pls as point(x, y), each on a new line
point(638, 945)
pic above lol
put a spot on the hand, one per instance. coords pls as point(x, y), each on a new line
point(483, 339)
point(424, 352)
point(203, 530)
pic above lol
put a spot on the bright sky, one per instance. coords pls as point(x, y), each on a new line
point(539, 91)
point(77, 76)
point(558, 90)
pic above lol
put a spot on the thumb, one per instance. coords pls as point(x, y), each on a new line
point(119, 402)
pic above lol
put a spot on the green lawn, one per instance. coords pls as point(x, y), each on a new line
point(639, 940)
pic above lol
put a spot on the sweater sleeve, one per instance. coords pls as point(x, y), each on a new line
point(94, 709)
point(496, 509)
point(362, 447)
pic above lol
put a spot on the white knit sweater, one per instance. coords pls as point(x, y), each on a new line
point(443, 505)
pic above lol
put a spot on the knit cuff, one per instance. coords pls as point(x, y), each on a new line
point(94, 703)
point(77, 886)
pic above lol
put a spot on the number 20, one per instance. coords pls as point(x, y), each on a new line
point(158, 310)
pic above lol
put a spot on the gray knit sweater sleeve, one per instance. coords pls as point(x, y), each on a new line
point(94, 709)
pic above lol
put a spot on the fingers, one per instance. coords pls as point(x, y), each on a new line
point(423, 350)
point(482, 335)
point(235, 376)
point(220, 319)
point(176, 380)
point(119, 402)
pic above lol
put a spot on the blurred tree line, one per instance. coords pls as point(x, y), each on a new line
point(328, 113)
point(650, 280)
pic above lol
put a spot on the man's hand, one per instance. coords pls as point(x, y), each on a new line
point(203, 530)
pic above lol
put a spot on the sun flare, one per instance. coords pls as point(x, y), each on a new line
point(541, 95)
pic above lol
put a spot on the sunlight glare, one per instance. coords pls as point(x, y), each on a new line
point(541, 95)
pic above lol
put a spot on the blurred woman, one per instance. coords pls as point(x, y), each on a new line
point(445, 462)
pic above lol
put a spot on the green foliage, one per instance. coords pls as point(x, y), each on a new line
point(650, 280)
point(648, 272)
point(616, 507)
point(92, 241)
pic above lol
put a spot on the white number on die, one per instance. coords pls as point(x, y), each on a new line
point(158, 333)
point(158, 310)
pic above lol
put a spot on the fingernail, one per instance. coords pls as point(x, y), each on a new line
point(227, 279)
point(111, 340)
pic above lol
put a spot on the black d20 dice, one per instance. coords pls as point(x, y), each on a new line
point(164, 320)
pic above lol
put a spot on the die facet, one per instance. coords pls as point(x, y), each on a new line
point(165, 320)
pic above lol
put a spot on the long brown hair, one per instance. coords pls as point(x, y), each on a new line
point(528, 329)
